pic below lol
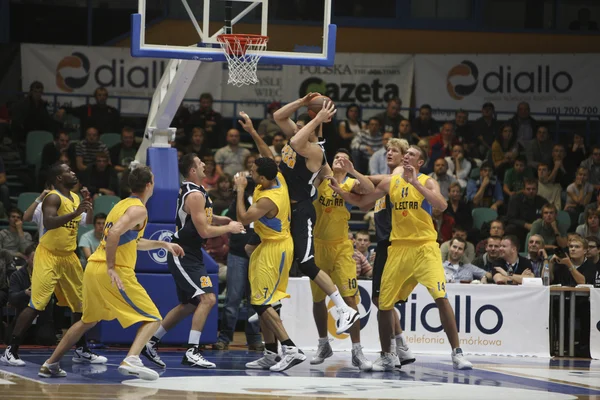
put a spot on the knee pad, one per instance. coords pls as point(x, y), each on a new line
point(309, 268)
point(260, 309)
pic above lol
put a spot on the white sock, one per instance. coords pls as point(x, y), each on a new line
point(194, 337)
point(337, 299)
point(160, 332)
point(400, 341)
point(393, 346)
point(356, 346)
point(323, 340)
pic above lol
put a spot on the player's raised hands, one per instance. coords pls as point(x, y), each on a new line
point(327, 112)
point(345, 164)
point(410, 174)
point(240, 181)
point(333, 184)
point(246, 122)
point(306, 99)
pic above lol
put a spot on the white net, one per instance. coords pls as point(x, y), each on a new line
point(242, 53)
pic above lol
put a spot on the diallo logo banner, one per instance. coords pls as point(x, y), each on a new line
point(78, 62)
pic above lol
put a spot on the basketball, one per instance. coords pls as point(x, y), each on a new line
point(316, 105)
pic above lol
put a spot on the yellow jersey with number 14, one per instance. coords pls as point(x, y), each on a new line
point(411, 212)
point(64, 238)
point(332, 211)
point(127, 248)
point(278, 227)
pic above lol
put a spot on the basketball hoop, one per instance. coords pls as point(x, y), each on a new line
point(243, 52)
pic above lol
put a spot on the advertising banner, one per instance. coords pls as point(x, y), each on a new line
point(490, 319)
point(595, 323)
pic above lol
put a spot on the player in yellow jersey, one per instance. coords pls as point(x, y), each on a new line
point(110, 287)
point(57, 267)
point(333, 252)
point(270, 263)
point(414, 255)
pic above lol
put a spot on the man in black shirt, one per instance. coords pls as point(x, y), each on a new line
point(101, 116)
point(574, 269)
point(524, 208)
point(515, 267)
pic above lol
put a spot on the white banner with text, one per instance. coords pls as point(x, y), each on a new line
point(491, 319)
point(563, 84)
point(595, 323)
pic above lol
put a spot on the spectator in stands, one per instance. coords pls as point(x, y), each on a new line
point(51, 151)
point(553, 232)
point(42, 333)
point(514, 178)
point(496, 228)
point(504, 150)
point(230, 158)
point(122, 154)
point(440, 175)
point(89, 241)
point(222, 195)
point(405, 132)
point(516, 267)
point(390, 119)
point(4, 191)
point(209, 120)
point(539, 149)
point(592, 164)
point(443, 224)
point(592, 254)
point(268, 127)
point(378, 162)
point(31, 114)
point(211, 177)
point(458, 166)
point(536, 254)
point(88, 148)
point(591, 226)
point(583, 21)
point(364, 265)
point(460, 233)
point(491, 256)
point(366, 143)
point(181, 118)
point(424, 126)
point(350, 127)
point(5, 266)
point(579, 195)
point(485, 130)
point(549, 191)
point(576, 152)
point(277, 143)
point(485, 191)
point(14, 239)
point(427, 168)
point(34, 211)
point(101, 179)
point(523, 124)
point(458, 208)
point(523, 209)
point(105, 118)
point(456, 269)
point(462, 130)
point(596, 204)
point(249, 163)
point(558, 172)
point(196, 144)
point(576, 268)
point(441, 144)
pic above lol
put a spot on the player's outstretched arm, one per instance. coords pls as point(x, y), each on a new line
point(300, 141)
point(195, 202)
point(282, 116)
point(362, 185)
point(363, 201)
point(263, 148)
point(257, 210)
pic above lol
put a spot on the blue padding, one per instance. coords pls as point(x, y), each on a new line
point(162, 206)
point(218, 55)
point(155, 261)
point(162, 291)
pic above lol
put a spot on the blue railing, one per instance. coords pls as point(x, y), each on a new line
point(558, 121)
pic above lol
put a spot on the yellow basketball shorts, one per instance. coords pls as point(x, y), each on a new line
point(335, 259)
point(60, 274)
point(408, 265)
point(269, 271)
point(103, 301)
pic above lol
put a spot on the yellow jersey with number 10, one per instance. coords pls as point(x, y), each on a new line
point(127, 248)
point(64, 238)
point(411, 212)
point(278, 227)
point(332, 211)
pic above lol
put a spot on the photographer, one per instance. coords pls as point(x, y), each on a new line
point(574, 269)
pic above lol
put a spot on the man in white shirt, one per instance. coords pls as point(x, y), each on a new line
point(457, 271)
point(378, 162)
point(230, 159)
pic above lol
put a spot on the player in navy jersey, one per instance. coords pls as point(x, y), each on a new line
point(194, 222)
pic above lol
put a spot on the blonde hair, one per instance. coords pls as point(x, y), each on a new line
point(400, 144)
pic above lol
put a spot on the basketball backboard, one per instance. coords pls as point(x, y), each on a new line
point(206, 47)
